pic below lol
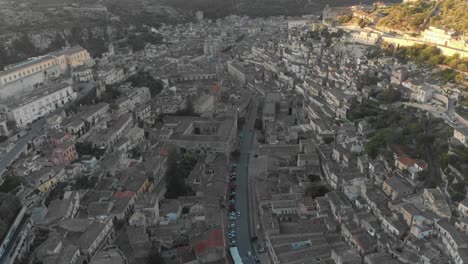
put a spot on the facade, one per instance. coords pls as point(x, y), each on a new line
point(64, 154)
point(368, 38)
point(438, 36)
point(46, 178)
point(82, 74)
point(38, 103)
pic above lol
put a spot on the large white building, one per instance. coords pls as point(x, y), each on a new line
point(363, 37)
point(438, 36)
point(23, 77)
point(41, 101)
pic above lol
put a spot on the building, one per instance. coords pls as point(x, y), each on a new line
point(196, 133)
point(23, 77)
point(204, 104)
point(299, 23)
point(38, 103)
point(82, 74)
point(397, 187)
point(199, 16)
point(63, 154)
point(368, 38)
point(332, 13)
point(46, 178)
point(454, 241)
point(95, 113)
point(438, 36)
point(461, 134)
point(237, 71)
point(107, 137)
point(463, 207)
point(109, 75)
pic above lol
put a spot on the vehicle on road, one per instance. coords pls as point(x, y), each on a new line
point(232, 235)
point(232, 225)
point(249, 254)
point(238, 213)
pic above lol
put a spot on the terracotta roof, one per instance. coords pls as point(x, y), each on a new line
point(125, 194)
point(407, 161)
point(214, 238)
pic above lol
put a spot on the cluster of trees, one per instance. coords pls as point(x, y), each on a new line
point(188, 109)
point(431, 55)
point(138, 42)
point(10, 183)
point(363, 22)
point(452, 14)
point(87, 148)
point(345, 19)
point(317, 190)
point(420, 137)
point(9, 208)
point(358, 111)
point(145, 79)
point(459, 160)
point(179, 166)
point(407, 16)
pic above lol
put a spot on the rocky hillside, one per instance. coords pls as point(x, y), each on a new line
point(415, 16)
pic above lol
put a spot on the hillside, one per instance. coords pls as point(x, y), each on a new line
point(453, 14)
point(406, 17)
point(418, 15)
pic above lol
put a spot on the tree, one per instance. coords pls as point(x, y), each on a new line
point(9, 208)
point(317, 191)
point(10, 183)
point(145, 79)
point(154, 258)
point(235, 154)
point(345, 19)
point(258, 124)
point(178, 169)
point(189, 110)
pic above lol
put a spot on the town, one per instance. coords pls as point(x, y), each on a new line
point(239, 140)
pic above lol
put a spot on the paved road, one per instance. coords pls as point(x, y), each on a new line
point(243, 228)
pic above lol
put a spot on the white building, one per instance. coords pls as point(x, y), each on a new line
point(438, 36)
point(23, 77)
point(110, 75)
point(368, 38)
point(24, 110)
point(300, 23)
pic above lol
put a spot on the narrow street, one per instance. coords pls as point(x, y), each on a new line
point(243, 224)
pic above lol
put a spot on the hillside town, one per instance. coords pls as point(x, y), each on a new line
point(236, 140)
